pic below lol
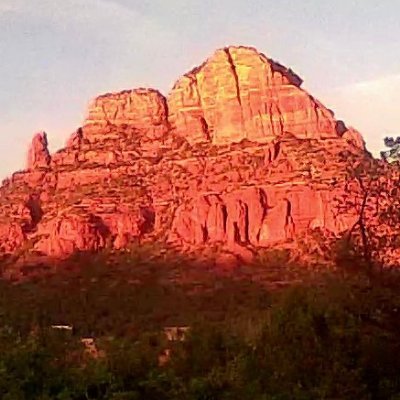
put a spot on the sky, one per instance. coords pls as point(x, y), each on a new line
point(56, 55)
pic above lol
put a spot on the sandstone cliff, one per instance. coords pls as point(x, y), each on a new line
point(238, 157)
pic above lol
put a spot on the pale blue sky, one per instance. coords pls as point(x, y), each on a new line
point(55, 55)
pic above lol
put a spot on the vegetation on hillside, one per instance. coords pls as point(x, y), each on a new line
point(332, 335)
point(338, 339)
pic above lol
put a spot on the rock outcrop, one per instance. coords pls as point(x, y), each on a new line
point(238, 157)
point(38, 154)
point(142, 109)
point(67, 234)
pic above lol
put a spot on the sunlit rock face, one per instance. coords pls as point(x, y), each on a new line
point(38, 153)
point(241, 94)
point(238, 157)
point(141, 109)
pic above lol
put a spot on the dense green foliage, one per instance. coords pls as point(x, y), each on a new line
point(335, 340)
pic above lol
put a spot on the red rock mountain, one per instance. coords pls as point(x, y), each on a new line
point(236, 158)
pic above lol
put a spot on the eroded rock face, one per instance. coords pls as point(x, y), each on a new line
point(354, 137)
point(240, 94)
point(64, 235)
point(75, 140)
point(238, 158)
point(11, 237)
point(142, 109)
point(259, 216)
point(38, 154)
point(124, 227)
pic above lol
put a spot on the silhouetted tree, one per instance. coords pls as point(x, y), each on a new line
point(373, 198)
point(393, 154)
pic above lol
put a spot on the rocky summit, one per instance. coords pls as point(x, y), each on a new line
point(238, 157)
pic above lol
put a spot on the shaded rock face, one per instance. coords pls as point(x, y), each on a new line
point(67, 234)
point(259, 216)
point(238, 157)
point(11, 237)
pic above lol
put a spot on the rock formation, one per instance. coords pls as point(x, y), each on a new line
point(241, 94)
point(237, 157)
point(141, 109)
point(38, 155)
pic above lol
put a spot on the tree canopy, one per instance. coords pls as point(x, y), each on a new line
point(393, 154)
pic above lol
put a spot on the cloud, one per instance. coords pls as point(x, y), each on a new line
point(75, 9)
point(7, 7)
point(120, 37)
point(96, 17)
point(376, 86)
point(371, 106)
point(84, 11)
